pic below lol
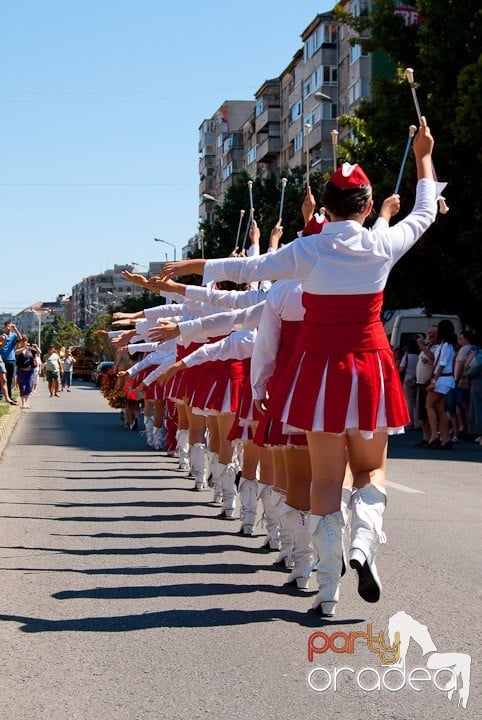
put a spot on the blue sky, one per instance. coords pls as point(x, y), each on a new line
point(100, 105)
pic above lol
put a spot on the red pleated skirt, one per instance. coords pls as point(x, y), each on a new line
point(223, 393)
point(183, 383)
point(342, 375)
point(153, 391)
point(247, 412)
point(270, 429)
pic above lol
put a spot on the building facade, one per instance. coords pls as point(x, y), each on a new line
point(292, 120)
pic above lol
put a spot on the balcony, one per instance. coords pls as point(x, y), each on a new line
point(268, 148)
point(206, 162)
point(206, 139)
point(270, 115)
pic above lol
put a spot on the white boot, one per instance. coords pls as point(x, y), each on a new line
point(148, 424)
point(157, 437)
point(216, 479)
point(211, 460)
point(248, 495)
point(286, 519)
point(238, 455)
point(302, 553)
point(328, 542)
point(198, 466)
point(228, 482)
point(183, 449)
point(265, 494)
point(346, 512)
point(368, 505)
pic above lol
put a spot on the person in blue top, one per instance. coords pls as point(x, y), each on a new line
point(8, 341)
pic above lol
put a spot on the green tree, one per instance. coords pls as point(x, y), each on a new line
point(443, 272)
point(220, 235)
point(60, 333)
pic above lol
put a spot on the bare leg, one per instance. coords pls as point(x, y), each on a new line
point(212, 423)
point(298, 476)
point(226, 451)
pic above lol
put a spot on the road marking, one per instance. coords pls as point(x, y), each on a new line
point(404, 488)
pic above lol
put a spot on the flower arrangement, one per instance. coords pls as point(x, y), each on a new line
point(115, 396)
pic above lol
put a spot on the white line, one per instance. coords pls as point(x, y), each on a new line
point(404, 488)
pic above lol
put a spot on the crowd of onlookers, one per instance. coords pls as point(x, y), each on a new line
point(22, 363)
point(442, 381)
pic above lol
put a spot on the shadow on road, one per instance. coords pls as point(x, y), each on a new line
point(212, 617)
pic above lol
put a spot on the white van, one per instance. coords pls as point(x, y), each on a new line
point(405, 325)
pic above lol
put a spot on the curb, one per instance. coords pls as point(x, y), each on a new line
point(7, 426)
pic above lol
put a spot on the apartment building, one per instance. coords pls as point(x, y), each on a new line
point(32, 319)
point(95, 293)
point(292, 119)
point(221, 153)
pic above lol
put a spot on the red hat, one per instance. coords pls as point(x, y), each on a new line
point(347, 177)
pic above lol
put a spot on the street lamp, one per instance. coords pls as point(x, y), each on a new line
point(207, 196)
point(324, 98)
point(39, 320)
point(167, 243)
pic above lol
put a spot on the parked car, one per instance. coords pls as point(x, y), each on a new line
point(100, 371)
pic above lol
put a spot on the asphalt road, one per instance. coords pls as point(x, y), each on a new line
point(124, 596)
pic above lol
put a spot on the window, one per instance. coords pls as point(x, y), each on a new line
point(329, 33)
point(312, 44)
point(356, 52)
point(307, 88)
point(359, 89)
point(310, 119)
point(227, 171)
point(259, 107)
point(298, 141)
point(330, 75)
point(251, 155)
point(317, 77)
point(329, 111)
point(295, 111)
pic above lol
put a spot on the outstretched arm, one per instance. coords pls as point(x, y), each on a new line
point(182, 268)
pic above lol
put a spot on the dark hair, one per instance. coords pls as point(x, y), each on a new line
point(344, 203)
point(446, 332)
point(412, 347)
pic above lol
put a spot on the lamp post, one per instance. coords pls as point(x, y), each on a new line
point(324, 98)
point(168, 243)
point(38, 315)
point(207, 196)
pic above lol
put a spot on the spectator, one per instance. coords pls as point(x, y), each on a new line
point(10, 338)
point(424, 371)
point(3, 381)
point(473, 372)
point(25, 361)
point(462, 382)
point(37, 370)
point(440, 385)
point(67, 370)
point(408, 371)
point(53, 368)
